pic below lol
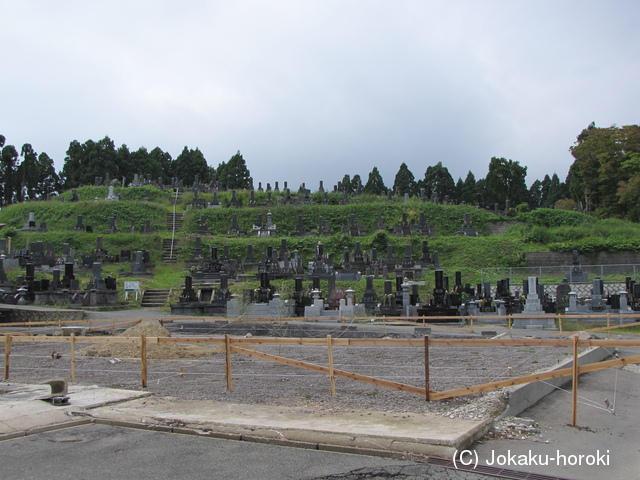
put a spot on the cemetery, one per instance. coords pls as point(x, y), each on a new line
point(392, 292)
point(231, 246)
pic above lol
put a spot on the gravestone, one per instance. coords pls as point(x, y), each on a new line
point(112, 226)
point(214, 202)
point(3, 274)
point(467, 228)
point(234, 200)
point(533, 306)
point(597, 301)
point(96, 280)
point(369, 298)
point(202, 226)
point(146, 228)
point(112, 194)
point(577, 274)
point(424, 228)
point(562, 296)
point(31, 223)
point(138, 266)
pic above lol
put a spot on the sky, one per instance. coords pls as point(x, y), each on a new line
point(311, 90)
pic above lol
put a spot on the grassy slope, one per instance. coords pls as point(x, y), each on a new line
point(539, 230)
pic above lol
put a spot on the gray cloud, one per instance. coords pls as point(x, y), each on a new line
point(312, 90)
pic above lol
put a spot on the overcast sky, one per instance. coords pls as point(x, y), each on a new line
point(311, 90)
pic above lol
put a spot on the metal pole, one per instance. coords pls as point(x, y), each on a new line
point(173, 229)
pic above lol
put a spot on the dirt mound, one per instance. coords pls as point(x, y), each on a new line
point(150, 328)
point(166, 351)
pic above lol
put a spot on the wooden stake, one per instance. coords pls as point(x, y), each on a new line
point(427, 381)
point(227, 370)
point(72, 345)
point(7, 351)
point(143, 359)
point(471, 325)
point(608, 325)
point(332, 380)
point(574, 401)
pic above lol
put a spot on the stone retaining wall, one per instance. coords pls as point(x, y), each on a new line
point(25, 315)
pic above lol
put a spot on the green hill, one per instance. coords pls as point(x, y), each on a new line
point(504, 241)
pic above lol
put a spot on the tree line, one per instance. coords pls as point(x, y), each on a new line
point(604, 178)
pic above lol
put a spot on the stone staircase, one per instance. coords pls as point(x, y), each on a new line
point(155, 297)
point(178, 218)
point(169, 253)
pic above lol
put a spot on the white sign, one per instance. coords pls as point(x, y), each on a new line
point(131, 286)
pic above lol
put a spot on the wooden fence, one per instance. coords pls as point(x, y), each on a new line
point(239, 346)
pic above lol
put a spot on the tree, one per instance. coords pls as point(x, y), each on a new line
point(404, 181)
point(506, 179)
point(438, 180)
point(629, 190)
point(375, 184)
point(161, 163)
point(27, 174)
point(143, 163)
point(48, 180)
point(84, 162)
point(596, 173)
point(536, 193)
point(356, 183)
point(485, 194)
point(9, 179)
point(346, 184)
point(234, 174)
point(468, 191)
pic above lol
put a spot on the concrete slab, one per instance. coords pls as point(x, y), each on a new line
point(22, 410)
point(371, 430)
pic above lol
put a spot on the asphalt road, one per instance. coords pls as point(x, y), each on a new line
point(103, 452)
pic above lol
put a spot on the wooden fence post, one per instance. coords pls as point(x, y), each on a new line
point(7, 352)
point(608, 325)
point(427, 381)
point(471, 324)
point(143, 359)
point(72, 345)
point(227, 369)
point(574, 395)
point(332, 380)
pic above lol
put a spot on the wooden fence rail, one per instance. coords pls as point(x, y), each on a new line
point(238, 346)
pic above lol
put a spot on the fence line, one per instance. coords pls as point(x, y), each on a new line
point(239, 346)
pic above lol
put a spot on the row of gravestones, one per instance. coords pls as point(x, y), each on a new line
point(144, 229)
point(213, 187)
point(403, 229)
point(281, 263)
point(44, 255)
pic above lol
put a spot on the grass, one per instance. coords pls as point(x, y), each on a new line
point(469, 255)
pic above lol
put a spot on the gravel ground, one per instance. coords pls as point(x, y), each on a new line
point(257, 381)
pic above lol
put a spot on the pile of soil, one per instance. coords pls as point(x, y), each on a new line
point(163, 351)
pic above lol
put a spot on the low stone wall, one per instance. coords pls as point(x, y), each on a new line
point(26, 315)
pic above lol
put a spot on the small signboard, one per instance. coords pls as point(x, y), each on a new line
point(131, 287)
